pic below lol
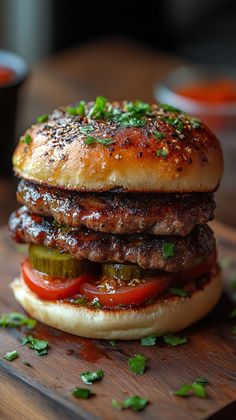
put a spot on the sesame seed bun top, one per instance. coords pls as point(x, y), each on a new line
point(124, 146)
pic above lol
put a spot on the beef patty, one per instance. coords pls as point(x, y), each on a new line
point(120, 213)
point(141, 249)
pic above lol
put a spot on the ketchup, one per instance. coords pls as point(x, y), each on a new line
point(6, 75)
point(215, 92)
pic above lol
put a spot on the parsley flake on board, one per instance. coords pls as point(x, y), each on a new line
point(197, 388)
point(78, 109)
point(136, 403)
point(15, 320)
point(11, 355)
point(137, 364)
point(89, 377)
point(27, 139)
point(174, 340)
point(40, 346)
point(83, 393)
point(26, 363)
point(42, 118)
point(158, 135)
point(148, 341)
point(167, 249)
point(92, 140)
point(179, 291)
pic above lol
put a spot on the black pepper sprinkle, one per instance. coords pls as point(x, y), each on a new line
point(140, 154)
point(62, 157)
point(51, 160)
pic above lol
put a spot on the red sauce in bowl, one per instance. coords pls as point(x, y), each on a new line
point(216, 92)
point(6, 75)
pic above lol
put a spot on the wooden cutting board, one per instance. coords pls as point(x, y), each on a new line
point(44, 390)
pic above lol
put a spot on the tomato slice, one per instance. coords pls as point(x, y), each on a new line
point(51, 288)
point(127, 295)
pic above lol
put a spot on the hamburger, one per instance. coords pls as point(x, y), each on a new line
point(115, 199)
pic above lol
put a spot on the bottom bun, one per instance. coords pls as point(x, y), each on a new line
point(167, 315)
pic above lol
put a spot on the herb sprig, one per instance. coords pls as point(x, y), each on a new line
point(137, 364)
point(197, 388)
point(40, 346)
point(136, 403)
point(11, 355)
point(89, 377)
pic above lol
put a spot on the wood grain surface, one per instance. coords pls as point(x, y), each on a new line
point(44, 390)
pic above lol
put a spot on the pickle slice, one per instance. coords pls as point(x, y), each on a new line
point(55, 263)
point(126, 272)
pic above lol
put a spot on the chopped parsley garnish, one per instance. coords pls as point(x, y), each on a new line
point(85, 129)
point(15, 319)
point(96, 303)
point(27, 139)
point(158, 135)
point(234, 330)
point(11, 355)
point(174, 340)
point(98, 110)
point(126, 120)
point(78, 109)
point(136, 403)
point(26, 363)
point(138, 108)
point(148, 341)
point(167, 249)
point(197, 388)
point(137, 364)
point(92, 140)
point(83, 393)
point(195, 123)
point(80, 301)
point(233, 313)
point(179, 291)
point(42, 118)
point(169, 108)
point(40, 346)
point(175, 122)
point(162, 153)
point(89, 377)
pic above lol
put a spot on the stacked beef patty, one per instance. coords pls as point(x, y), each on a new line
point(116, 200)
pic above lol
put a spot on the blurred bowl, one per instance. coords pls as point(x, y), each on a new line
point(218, 115)
point(9, 90)
point(15, 63)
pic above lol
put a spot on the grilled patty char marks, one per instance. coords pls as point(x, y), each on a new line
point(144, 250)
point(158, 214)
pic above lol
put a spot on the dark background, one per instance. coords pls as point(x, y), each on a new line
point(198, 30)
